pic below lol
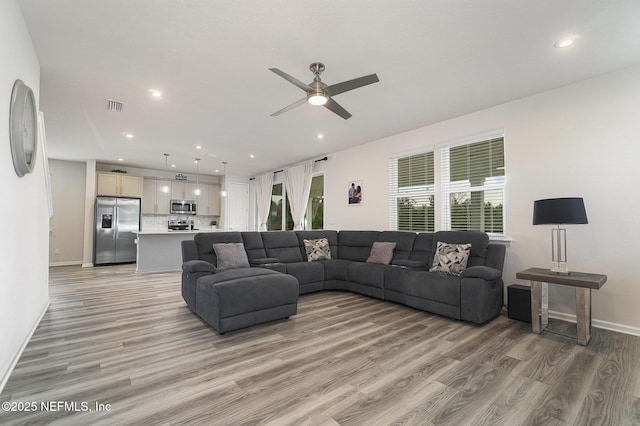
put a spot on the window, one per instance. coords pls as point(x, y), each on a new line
point(314, 218)
point(466, 191)
point(280, 213)
point(473, 186)
point(412, 193)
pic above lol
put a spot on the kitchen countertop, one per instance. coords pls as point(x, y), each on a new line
point(166, 231)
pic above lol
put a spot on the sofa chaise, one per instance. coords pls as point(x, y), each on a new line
point(475, 294)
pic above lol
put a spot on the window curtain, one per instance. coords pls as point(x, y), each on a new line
point(263, 185)
point(298, 184)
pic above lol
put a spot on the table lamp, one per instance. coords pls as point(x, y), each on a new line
point(558, 211)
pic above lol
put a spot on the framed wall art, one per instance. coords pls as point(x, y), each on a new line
point(355, 192)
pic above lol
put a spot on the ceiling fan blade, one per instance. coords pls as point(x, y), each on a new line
point(289, 107)
point(336, 108)
point(345, 86)
point(291, 79)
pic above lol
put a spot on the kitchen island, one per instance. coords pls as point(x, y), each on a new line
point(160, 250)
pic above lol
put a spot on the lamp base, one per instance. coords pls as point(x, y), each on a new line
point(560, 268)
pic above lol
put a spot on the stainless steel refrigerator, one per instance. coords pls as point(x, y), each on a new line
point(115, 220)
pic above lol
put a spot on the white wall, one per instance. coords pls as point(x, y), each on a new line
point(66, 242)
point(25, 243)
point(580, 140)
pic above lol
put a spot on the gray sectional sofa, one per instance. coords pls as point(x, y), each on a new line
point(476, 295)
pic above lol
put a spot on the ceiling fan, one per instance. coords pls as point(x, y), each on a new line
point(318, 93)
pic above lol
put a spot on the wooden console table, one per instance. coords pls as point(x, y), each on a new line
point(582, 282)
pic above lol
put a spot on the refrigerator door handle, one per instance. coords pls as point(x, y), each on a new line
point(116, 220)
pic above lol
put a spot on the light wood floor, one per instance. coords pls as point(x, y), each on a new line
point(114, 337)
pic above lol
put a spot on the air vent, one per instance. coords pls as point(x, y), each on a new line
point(114, 105)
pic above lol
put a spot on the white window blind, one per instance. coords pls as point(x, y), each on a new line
point(472, 186)
point(412, 192)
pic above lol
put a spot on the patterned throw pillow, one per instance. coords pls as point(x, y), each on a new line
point(317, 249)
point(451, 258)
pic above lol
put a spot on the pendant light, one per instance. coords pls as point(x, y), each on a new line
point(197, 190)
point(223, 193)
point(165, 188)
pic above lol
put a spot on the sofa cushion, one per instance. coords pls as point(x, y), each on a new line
point(439, 287)
point(381, 252)
point(336, 269)
point(231, 256)
point(451, 258)
point(356, 245)
point(253, 246)
point(317, 249)
point(306, 272)
point(370, 274)
point(282, 244)
point(423, 248)
point(404, 242)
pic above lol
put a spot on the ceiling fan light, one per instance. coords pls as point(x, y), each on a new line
point(317, 98)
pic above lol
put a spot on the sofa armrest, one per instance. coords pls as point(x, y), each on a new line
point(485, 272)
point(264, 261)
point(480, 300)
point(414, 264)
point(194, 266)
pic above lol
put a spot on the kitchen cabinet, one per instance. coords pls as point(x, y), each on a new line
point(213, 204)
point(203, 199)
point(119, 185)
point(209, 200)
point(183, 191)
point(156, 196)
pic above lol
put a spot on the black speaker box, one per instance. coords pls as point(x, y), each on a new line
point(519, 302)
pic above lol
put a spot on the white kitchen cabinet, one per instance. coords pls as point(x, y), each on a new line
point(119, 185)
point(156, 196)
point(183, 191)
point(203, 199)
point(213, 204)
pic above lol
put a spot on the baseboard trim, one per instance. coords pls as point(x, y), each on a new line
point(87, 265)
point(606, 325)
point(68, 263)
point(18, 354)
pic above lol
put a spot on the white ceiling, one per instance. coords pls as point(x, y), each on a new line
point(436, 59)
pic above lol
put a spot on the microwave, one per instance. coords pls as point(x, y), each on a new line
point(183, 207)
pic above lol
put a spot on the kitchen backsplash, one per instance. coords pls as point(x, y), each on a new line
point(155, 222)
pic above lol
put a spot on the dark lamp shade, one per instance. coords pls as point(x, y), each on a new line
point(559, 210)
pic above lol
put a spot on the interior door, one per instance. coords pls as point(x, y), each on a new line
point(237, 206)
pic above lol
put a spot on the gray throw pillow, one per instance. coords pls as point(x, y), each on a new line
point(231, 255)
point(381, 252)
point(451, 258)
point(317, 249)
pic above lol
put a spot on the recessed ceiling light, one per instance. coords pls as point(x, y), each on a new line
point(566, 41)
point(155, 93)
point(173, 165)
point(128, 135)
point(120, 159)
point(252, 156)
point(320, 136)
point(198, 146)
point(216, 171)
